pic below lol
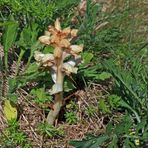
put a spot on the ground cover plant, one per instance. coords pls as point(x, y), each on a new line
point(54, 95)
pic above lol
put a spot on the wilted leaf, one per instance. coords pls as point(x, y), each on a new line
point(56, 88)
point(10, 111)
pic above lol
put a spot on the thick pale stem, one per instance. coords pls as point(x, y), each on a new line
point(58, 102)
point(53, 114)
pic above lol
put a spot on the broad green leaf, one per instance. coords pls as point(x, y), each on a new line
point(103, 76)
point(87, 57)
point(7, 23)
point(90, 72)
point(48, 49)
point(9, 38)
point(93, 142)
point(39, 93)
point(10, 111)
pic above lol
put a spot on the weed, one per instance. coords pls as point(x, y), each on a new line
point(90, 110)
point(71, 117)
point(40, 96)
point(50, 130)
point(12, 136)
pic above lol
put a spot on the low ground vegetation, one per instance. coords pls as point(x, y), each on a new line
point(105, 103)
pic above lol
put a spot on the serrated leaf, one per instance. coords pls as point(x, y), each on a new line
point(10, 111)
point(33, 67)
point(28, 36)
point(25, 38)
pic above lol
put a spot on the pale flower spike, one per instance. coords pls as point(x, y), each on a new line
point(57, 24)
point(59, 39)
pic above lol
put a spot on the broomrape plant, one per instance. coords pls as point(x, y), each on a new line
point(60, 40)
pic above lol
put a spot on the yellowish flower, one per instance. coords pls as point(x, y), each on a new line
point(75, 49)
point(57, 37)
point(69, 68)
point(44, 59)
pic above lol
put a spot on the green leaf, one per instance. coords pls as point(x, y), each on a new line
point(68, 86)
point(25, 38)
point(28, 36)
point(114, 101)
point(92, 142)
point(12, 84)
point(87, 57)
point(33, 67)
point(9, 38)
point(7, 23)
point(90, 71)
point(48, 49)
point(103, 76)
point(126, 105)
point(128, 143)
point(40, 95)
point(109, 128)
point(103, 107)
point(113, 144)
point(12, 97)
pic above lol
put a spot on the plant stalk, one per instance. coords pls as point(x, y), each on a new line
point(58, 102)
point(53, 114)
